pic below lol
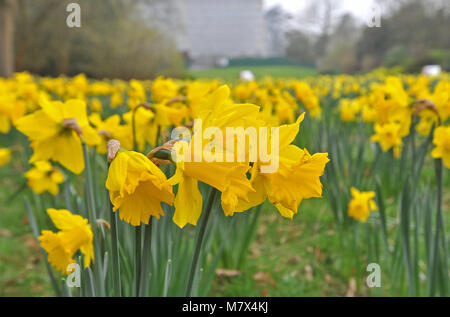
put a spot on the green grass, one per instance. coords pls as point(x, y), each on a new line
point(22, 267)
point(231, 74)
point(305, 256)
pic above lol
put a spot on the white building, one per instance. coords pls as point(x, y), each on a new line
point(208, 30)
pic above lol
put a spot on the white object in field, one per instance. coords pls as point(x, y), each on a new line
point(222, 62)
point(246, 75)
point(431, 70)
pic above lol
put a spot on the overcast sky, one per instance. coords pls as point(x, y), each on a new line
point(359, 8)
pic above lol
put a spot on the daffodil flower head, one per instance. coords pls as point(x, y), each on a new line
point(5, 156)
point(137, 187)
point(164, 89)
point(388, 135)
point(441, 141)
point(55, 130)
point(283, 187)
point(75, 235)
point(43, 177)
point(107, 129)
point(361, 205)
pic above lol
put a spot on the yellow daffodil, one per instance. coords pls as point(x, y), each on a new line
point(107, 129)
point(348, 110)
point(361, 205)
point(310, 100)
point(137, 187)
point(116, 99)
point(5, 156)
point(136, 94)
point(441, 98)
point(369, 114)
point(228, 177)
point(297, 178)
point(95, 105)
point(43, 177)
point(441, 141)
point(11, 109)
point(51, 140)
point(164, 89)
point(388, 135)
point(285, 110)
point(146, 128)
point(428, 118)
point(75, 234)
point(194, 95)
point(77, 87)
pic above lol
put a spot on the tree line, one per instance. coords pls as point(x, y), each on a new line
point(114, 41)
point(412, 33)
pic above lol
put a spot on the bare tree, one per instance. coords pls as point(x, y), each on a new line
point(7, 8)
point(319, 18)
point(277, 23)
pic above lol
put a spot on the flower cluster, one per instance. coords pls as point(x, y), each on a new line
point(196, 127)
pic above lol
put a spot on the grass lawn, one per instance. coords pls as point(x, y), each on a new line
point(305, 256)
point(22, 267)
point(232, 73)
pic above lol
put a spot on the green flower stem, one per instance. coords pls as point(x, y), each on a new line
point(114, 248)
point(146, 258)
point(435, 252)
point(137, 259)
point(93, 221)
point(201, 234)
point(137, 232)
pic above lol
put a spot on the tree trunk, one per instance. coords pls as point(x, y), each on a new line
point(6, 37)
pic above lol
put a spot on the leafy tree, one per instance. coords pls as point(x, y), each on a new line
point(113, 41)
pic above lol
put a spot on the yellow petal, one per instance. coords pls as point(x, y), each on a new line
point(69, 152)
point(53, 109)
point(58, 256)
point(289, 132)
point(117, 172)
point(188, 202)
point(38, 126)
point(76, 109)
point(285, 212)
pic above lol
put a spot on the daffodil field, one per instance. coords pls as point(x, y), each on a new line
point(147, 188)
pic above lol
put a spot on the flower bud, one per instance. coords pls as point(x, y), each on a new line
point(423, 104)
point(72, 124)
point(113, 147)
point(162, 155)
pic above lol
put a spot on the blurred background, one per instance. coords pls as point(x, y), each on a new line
point(182, 38)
